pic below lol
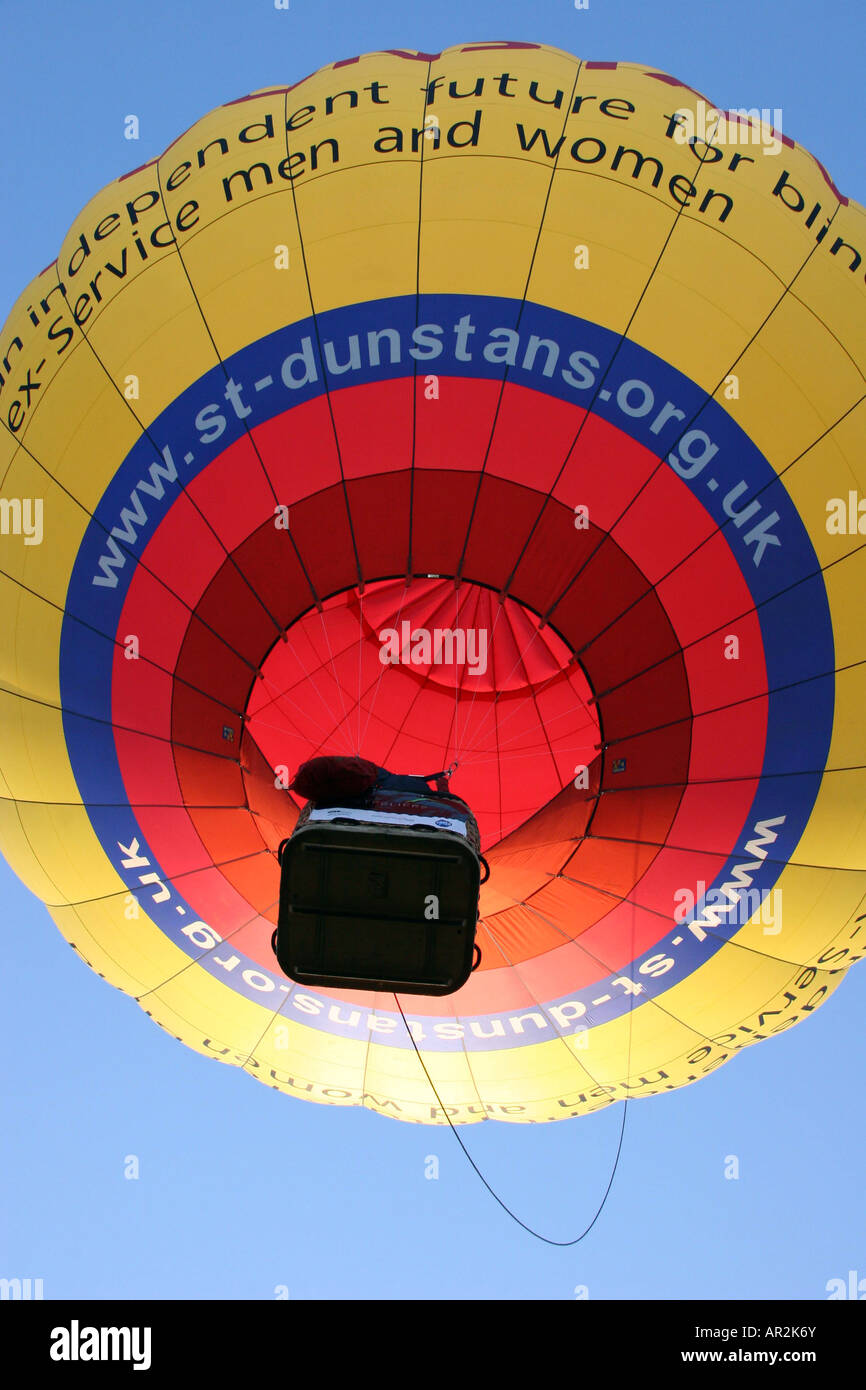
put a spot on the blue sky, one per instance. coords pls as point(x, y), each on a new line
point(242, 1190)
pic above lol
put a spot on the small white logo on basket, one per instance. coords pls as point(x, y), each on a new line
point(438, 646)
point(77, 1343)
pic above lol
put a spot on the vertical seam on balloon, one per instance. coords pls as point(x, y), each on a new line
point(502, 384)
point(315, 318)
point(409, 557)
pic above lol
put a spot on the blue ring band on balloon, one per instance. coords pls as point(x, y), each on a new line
point(786, 585)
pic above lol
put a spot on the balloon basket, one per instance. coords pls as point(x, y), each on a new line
point(381, 900)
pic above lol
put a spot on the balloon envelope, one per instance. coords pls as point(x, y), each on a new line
point(473, 406)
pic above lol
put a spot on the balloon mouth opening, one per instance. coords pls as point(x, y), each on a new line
point(416, 673)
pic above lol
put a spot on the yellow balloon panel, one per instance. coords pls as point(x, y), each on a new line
point(60, 431)
point(589, 262)
point(244, 282)
point(836, 835)
point(464, 238)
point(371, 252)
point(845, 578)
point(33, 729)
point(118, 940)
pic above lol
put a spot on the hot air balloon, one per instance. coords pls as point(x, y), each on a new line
point(479, 407)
